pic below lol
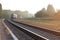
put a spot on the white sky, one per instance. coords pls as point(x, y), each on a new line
point(30, 5)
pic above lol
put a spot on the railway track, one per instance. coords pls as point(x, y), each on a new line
point(33, 33)
point(16, 33)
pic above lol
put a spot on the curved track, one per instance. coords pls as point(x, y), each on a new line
point(34, 34)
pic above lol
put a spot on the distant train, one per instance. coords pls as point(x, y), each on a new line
point(13, 16)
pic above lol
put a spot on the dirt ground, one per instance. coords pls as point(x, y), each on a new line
point(2, 33)
point(50, 25)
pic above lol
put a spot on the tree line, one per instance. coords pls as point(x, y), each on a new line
point(43, 13)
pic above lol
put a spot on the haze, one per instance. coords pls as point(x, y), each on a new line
point(30, 5)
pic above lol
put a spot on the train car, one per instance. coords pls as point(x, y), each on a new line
point(13, 16)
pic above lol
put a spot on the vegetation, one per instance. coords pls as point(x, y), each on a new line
point(41, 14)
point(57, 15)
point(6, 13)
point(21, 14)
point(46, 13)
point(0, 11)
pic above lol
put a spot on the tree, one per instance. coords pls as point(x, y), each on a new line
point(41, 13)
point(0, 10)
point(57, 15)
point(6, 13)
point(50, 10)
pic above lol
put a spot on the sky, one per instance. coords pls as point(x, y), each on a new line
point(29, 5)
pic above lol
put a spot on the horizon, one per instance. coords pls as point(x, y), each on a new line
point(32, 6)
